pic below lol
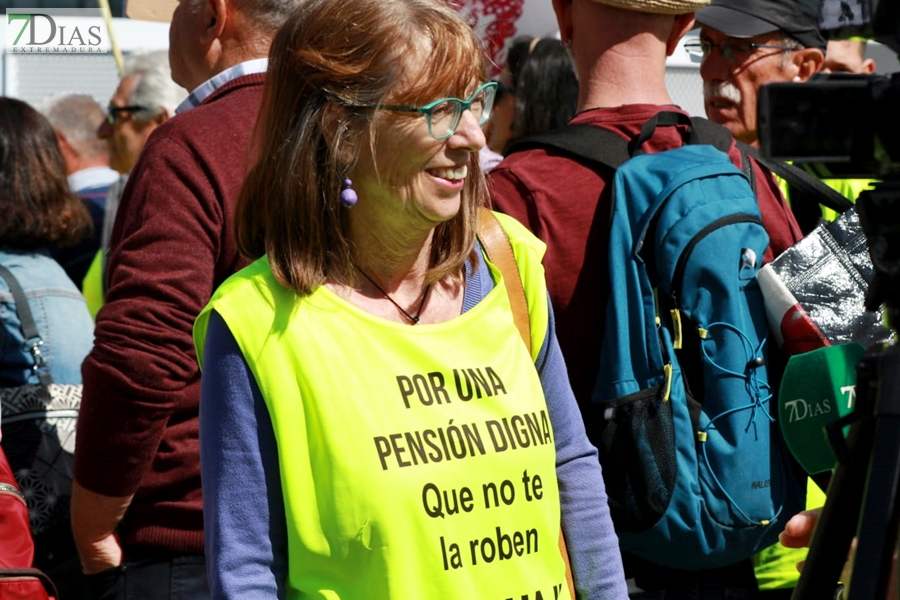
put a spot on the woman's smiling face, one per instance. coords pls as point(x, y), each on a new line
point(405, 170)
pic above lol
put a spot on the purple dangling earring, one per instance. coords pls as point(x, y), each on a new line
point(348, 195)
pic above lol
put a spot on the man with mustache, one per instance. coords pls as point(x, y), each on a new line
point(747, 43)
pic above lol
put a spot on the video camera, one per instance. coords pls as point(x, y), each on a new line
point(845, 125)
point(840, 125)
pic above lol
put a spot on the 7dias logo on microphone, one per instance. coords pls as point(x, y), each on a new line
point(60, 31)
point(800, 409)
point(817, 389)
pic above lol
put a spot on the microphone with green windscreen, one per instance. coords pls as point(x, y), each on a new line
point(818, 388)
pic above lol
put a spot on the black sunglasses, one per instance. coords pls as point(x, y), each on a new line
point(113, 112)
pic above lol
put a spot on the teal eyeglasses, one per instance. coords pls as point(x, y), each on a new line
point(443, 115)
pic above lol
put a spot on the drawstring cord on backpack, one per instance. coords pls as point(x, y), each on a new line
point(759, 391)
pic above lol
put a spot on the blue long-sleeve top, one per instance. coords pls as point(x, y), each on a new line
point(244, 519)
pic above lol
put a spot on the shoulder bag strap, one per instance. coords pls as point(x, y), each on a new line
point(496, 245)
point(29, 327)
point(498, 249)
point(803, 182)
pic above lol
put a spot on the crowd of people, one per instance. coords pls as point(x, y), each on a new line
point(305, 365)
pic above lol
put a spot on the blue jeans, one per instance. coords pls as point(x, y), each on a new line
point(149, 575)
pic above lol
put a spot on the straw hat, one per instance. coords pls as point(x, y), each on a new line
point(151, 10)
point(658, 7)
point(161, 10)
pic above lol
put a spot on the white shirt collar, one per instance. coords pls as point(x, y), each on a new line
point(92, 177)
point(205, 89)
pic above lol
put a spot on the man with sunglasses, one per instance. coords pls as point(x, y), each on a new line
point(619, 48)
point(145, 97)
point(745, 44)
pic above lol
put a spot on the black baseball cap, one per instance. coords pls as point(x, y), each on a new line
point(749, 18)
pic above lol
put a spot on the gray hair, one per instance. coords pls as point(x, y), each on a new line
point(76, 117)
point(155, 89)
point(267, 15)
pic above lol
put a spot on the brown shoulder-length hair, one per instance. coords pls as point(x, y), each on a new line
point(329, 58)
point(37, 209)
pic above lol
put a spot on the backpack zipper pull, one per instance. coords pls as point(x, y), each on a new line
point(676, 328)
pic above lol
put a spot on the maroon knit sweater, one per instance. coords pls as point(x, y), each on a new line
point(172, 245)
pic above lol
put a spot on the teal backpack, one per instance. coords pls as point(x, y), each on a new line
point(682, 412)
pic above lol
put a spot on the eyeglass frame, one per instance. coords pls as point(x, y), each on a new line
point(112, 111)
point(490, 89)
point(503, 89)
point(691, 47)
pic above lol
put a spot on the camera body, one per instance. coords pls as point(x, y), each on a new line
point(839, 124)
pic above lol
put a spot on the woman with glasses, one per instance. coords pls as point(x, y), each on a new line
point(372, 424)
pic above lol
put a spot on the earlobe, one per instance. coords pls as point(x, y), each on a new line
point(61, 140)
point(808, 62)
point(161, 116)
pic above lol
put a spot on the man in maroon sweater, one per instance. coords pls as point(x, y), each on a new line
point(619, 48)
point(136, 504)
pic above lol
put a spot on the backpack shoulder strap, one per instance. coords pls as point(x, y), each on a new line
point(29, 327)
point(712, 133)
point(719, 137)
point(498, 249)
point(797, 178)
point(590, 142)
point(608, 148)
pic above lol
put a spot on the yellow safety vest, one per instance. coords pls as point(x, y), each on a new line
point(92, 285)
point(415, 461)
point(848, 188)
point(776, 566)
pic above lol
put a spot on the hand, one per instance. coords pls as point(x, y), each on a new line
point(101, 555)
point(95, 518)
point(799, 529)
point(798, 534)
